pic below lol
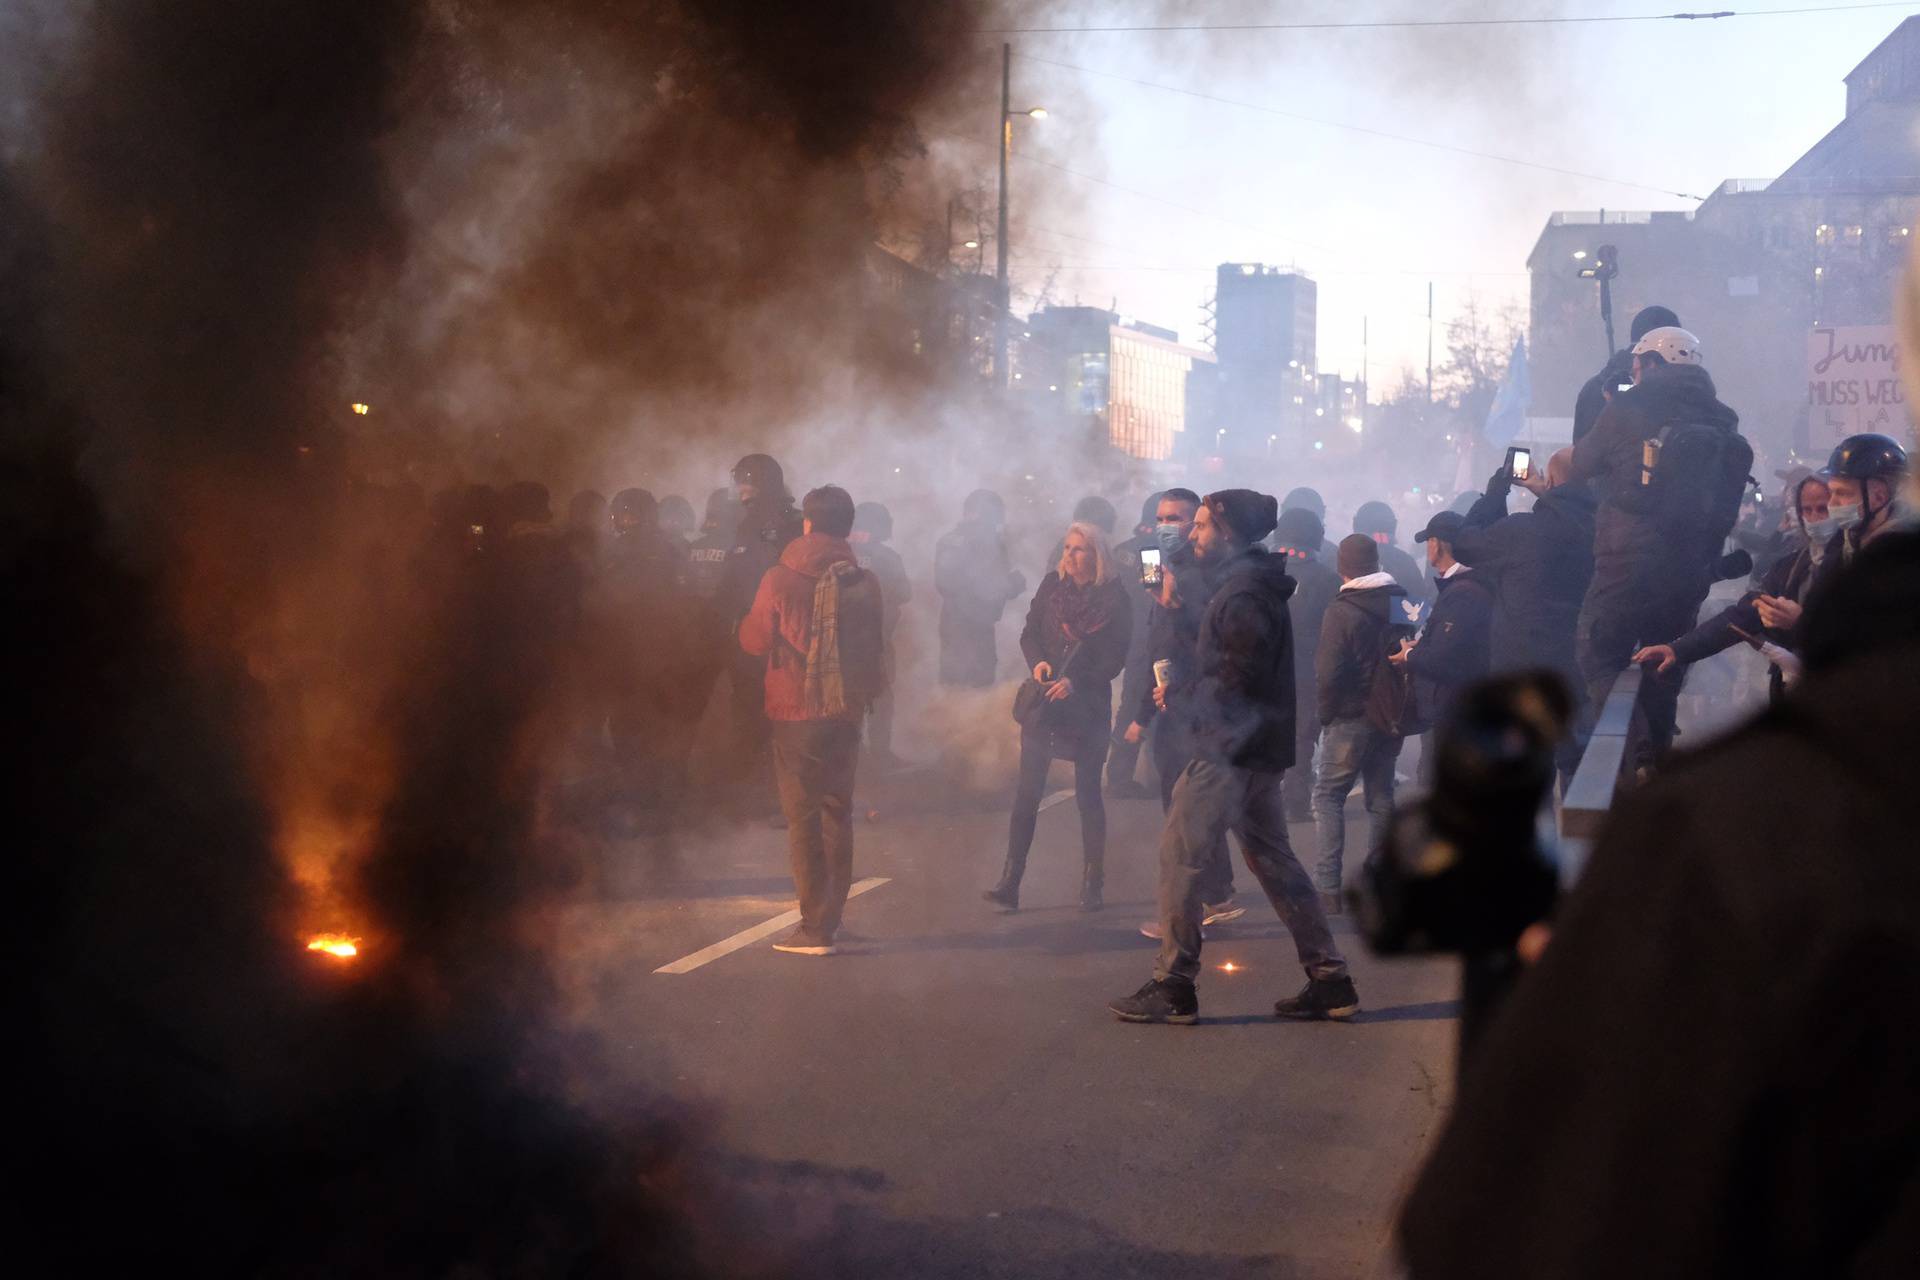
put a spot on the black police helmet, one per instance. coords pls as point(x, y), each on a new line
point(634, 504)
point(761, 471)
point(873, 519)
point(1375, 517)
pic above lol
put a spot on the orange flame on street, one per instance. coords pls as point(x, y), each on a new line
point(1229, 967)
point(338, 945)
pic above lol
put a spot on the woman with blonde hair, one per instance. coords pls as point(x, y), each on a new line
point(1075, 641)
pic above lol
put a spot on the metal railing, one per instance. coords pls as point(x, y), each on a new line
point(1607, 759)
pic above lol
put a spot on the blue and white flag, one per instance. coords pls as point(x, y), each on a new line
point(1508, 416)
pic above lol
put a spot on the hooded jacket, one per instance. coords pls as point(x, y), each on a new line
point(1538, 564)
point(1610, 456)
point(1353, 638)
point(777, 626)
point(1774, 1130)
point(1241, 703)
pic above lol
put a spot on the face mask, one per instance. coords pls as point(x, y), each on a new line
point(1171, 538)
point(1843, 517)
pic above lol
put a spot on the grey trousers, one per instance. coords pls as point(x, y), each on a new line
point(1210, 800)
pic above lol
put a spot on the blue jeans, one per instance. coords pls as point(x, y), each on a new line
point(1350, 751)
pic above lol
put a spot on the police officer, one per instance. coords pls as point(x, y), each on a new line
point(872, 528)
point(769, 520)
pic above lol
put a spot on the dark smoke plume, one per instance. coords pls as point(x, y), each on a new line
point(249, 711)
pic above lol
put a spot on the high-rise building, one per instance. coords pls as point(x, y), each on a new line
point(1131, 377)
point(1264, 326)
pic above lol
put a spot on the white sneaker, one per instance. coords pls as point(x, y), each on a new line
point(1221, 912)
point(802, 943)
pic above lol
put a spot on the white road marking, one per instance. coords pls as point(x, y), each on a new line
point(1056, 798)
point(747, 937)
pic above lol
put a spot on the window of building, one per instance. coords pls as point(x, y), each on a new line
point(1823, 234)
point(1850, 236)
point(1899, 236)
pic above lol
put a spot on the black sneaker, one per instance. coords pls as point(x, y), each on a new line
point(804, 942)
point(1005, 899)
point(1161, 1000)
point(1321, 998)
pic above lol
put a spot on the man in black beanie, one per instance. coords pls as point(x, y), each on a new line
point(1240, 701)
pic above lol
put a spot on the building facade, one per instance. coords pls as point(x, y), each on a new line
point(1265, 323)
point(1129, 378)
point(1758, 271)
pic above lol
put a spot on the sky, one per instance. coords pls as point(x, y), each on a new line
point(1668, 108)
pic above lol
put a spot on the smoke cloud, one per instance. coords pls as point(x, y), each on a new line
point(533, 241)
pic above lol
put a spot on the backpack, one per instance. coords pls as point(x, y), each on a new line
point(1395, 705)
point(1695, 477)
point(846, 652)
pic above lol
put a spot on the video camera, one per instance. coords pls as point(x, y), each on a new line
point(1465, 870)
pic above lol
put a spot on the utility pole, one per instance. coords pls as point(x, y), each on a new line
point(1002, 296)
point(1366, 371)
point(1429, 344)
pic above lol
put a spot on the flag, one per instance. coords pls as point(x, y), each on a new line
point(1508, 416)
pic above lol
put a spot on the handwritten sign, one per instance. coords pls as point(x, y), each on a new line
point(1853, 383)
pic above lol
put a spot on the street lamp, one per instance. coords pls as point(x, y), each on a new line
point(1002, 294)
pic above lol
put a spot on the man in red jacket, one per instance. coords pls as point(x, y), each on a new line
point(816, 619)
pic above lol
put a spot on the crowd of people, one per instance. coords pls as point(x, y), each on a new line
point(1264, 669)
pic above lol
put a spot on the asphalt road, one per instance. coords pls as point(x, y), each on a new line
point(949, 1096)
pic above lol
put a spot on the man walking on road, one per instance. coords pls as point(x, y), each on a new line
point(816, 620)
point(1241, 706)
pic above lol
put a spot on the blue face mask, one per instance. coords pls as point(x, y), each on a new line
point(1171, 537)
point(1843, 517)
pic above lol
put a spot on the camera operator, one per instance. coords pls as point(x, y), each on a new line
point(1672, 469)
point(1598, 390)
point(1711, 1070)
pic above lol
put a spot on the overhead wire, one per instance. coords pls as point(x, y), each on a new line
point(1378, 24)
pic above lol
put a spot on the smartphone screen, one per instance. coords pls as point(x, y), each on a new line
point(1150, 566)
point(1519, 462)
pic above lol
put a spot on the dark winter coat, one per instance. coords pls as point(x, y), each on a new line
point(1084, 723)
point(764, 531)
point(1315, 587)
point(1241, 705)
point(896, 589)
point(1538, 564)
point(1174, 635)
point(1789, 578)
point(1766, 886)
point(1138, 678)
point(1352, 641)
point(975, 579)
point(1453, 648)
point(1611, 456)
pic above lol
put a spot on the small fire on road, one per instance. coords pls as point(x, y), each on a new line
point(1229, 967)
point(337, 945)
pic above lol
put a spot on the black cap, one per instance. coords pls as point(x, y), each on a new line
point(1445, 525)
point(1301, 530)
point(1866, 457)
